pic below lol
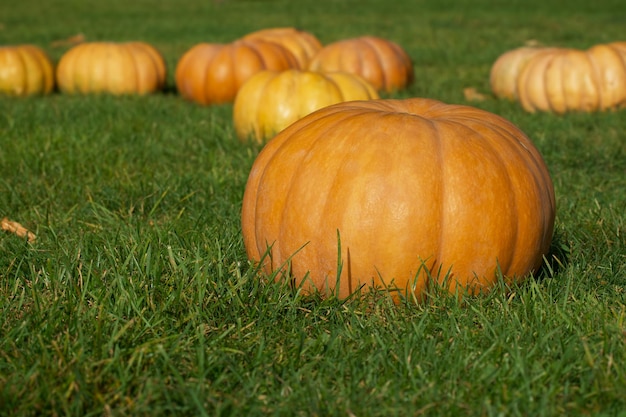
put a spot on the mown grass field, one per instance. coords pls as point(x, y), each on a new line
point(137, 297)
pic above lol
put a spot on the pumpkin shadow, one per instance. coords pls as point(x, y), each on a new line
point(556, 260)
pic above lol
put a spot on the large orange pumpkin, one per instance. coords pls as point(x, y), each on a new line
point(302, 44)
point(270, 100)
point(411, 189)
point(380, 61)
point(211, 73)
point(562, 79)
point(25, 70)
point(111, 67)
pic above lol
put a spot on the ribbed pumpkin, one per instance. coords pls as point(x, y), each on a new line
point(409, 188)
point(211, 73)
point(562, 79)
point(270, 101)
point(25, 70)
point(302, 44)
point(505, 71)
point(380, 61)
point(111, 67)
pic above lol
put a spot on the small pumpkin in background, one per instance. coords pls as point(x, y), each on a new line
point(111, 67)
point(380, 61)
point(302, 44)
point(562, 79)
point(211, 73)
point(399, 193)
point(25, 70)
point(270, 101)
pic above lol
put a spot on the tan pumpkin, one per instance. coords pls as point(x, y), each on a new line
point(302, 44)
point(506, 69)
point(211, 73)
point(380, 61)
point(111, 67)
point(270, 101)
point(25, 70)
point(562, 79)
point(411, 189)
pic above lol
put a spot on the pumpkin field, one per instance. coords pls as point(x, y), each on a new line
point(312, 208)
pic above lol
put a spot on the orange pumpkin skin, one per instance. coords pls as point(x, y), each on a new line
point(303, 45)
point(270, 101)
point(563, 79)
point(111, 67)
point(413, 187)
point(25, 70)
point(211, 73)
point(380, 61)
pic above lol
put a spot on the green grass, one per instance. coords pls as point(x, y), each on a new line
point(137, 297)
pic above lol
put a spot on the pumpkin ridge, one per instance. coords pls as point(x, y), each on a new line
point(204, 92)
point(81, 53)
point(542, 181)
point(596, 78)
point(436, 262)
point(504, 169)
point(622, 61)
point(135, 64)
point(381, 62)
point(294, 179)
point(22, 61)
point(337, 179)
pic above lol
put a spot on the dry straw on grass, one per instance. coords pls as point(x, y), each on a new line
point(18, 229)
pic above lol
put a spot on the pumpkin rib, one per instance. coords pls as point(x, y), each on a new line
point(133, 61)
point(612, 94)
point(294, 181)
point(206, 77)
point(141, 73)
point(443, 199)
point(377, 52)
point(543, 182)
point(22, 63)
point(503, 169)
point(46, 67)
point(158, 62)
point(33, 56)
point(596, 78)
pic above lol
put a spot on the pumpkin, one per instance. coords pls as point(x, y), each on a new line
point(211, 73)
point(506, 69)
point(111, 67)
point(380, 61)
point(25, 70)
point(562, 79)
point(303, 45)
point(270, 101)
point(400, 194)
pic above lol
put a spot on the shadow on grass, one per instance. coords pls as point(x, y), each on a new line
point(555, 260)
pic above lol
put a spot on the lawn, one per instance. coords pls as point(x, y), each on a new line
point(137, 297)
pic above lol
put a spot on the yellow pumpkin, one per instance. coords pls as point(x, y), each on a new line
point(303, 45)
point(563, 79)
point(398, 192)
point(111, 67)
point(270, 100)
point(25, 70)
point(211, 73)
point(380, 61)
